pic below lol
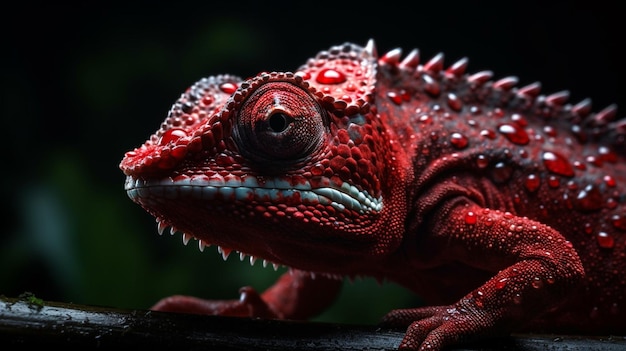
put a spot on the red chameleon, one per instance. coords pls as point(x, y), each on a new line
point(503, 208)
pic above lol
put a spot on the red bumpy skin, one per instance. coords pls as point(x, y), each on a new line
point(505, 209)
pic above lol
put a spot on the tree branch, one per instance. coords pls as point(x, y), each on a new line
point(28, 321)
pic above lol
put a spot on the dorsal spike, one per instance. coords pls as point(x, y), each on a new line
point(558, 98)
point(606, 115)
point(506, 83)
point(583, 108)
point(370, 48)
point(480, 77)
point(411, 60)
point(458, 68)
point(392, 57)
point(532, 89)
point(435, 64)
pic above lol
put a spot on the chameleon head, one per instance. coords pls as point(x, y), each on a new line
point(275, 166)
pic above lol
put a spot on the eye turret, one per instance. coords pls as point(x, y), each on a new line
point(279, 121)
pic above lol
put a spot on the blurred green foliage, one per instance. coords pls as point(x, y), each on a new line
point(87, 84)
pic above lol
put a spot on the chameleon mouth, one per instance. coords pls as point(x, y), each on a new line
point(226, 252)
point(341, 197)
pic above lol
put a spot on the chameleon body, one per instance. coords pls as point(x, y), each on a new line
point(505, 209)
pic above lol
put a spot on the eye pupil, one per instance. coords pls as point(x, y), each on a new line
point(278, 122)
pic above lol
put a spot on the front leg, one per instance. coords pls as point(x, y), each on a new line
point(536, 268)
point(296, 295)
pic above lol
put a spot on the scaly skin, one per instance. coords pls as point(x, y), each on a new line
point(503, 208)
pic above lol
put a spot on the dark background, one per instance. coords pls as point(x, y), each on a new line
point(81, 85)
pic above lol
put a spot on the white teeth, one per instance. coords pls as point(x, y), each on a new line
point(186, 238)
point(224, 252)
point(161, 227)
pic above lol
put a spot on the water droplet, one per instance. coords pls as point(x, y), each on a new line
point(488, 222)
point(228, 88)
point(470, 217)
point(571, 185)
point(579, 165)
point(537, 283)
point(395, 97)
point(501, 172)
point(482, 161)
point(514, 133)
point(523, 153)
point(607, 154)
point(567, 201)
point(596, 161)
point(619, 221)
point(488, 133)
point(426, 119)
point(550, 131)
point(519, 120)
point(171, 135)
point(500, 284)
point(554, 182)
point(532, 182)
point(589, 198)
point(498, 112)
point(478, 298)
point(611, 203)
point(330, 76)
point(475, 110)
point(605, 240)
point(458, 140)
point(588, 228)
point(557, 163)
point(609, 181)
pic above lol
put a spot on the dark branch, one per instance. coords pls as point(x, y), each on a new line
point(29, 322)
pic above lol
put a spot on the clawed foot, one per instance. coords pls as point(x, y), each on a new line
point(433, 328)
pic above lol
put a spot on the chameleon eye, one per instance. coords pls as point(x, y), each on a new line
point(279, 121)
